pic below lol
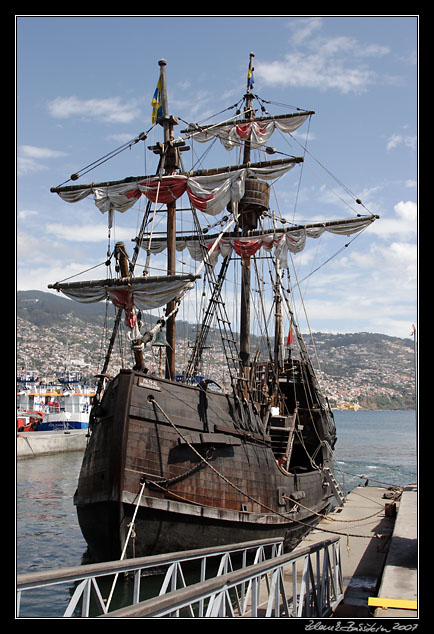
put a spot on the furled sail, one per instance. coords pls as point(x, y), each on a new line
point(209, 193)
point(257, 132)
point(281, 241)
point(144, 292)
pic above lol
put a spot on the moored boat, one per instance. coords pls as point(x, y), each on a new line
point(62, 403)
point(180, 462)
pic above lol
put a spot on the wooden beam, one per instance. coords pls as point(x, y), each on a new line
point(199, 128)
point(210, 172)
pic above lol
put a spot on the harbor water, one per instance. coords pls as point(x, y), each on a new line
point(377, 445)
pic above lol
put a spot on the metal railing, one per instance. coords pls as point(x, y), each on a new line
point(91, 581)
point(304, 583)
point(307, 583)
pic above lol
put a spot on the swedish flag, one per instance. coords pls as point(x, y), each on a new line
point(250, 79)
point(157, 109)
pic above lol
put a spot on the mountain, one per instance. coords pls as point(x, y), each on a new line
point(54, 333)
point(45, 309)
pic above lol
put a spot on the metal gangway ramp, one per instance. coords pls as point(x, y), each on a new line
point(248, 580)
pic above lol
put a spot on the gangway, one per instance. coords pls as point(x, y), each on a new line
point(251, 579)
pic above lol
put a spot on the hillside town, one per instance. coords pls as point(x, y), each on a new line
point(361, 370)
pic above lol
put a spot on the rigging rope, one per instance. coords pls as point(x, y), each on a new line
point(151, 399)
point(88, 168)
point(130, 532)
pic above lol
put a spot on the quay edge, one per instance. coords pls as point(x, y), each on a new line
point(31, 444)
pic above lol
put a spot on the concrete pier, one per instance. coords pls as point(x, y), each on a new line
point(399, 580)
point(39, 443)
point(374, 540)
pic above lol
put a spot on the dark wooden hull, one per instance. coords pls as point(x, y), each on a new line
point(209, 480)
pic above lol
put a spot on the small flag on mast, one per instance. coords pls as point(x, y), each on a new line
point(157, 109)
point(289, 340)
point(250, 79)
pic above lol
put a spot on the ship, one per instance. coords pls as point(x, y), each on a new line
point(199, 458)
point(59, 403)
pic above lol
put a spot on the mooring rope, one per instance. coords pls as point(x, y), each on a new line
point(130, 532)
point(328, 517)
point(151, 399)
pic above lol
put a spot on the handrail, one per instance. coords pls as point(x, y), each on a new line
point(316, 597)
point(90, 572)
point(313, 590)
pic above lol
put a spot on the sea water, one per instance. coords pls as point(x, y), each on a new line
point(375, 445)
point(379, 446)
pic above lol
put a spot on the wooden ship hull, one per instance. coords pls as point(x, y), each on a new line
point(177, 459)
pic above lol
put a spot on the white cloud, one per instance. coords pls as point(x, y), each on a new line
point(316, 71)
point(302, 29)
point(43, 260)
point(401, 139)
point(323, 62)
point(26, 213)
point(407, 211)
point(86, 233)
point(30, 157)
point(110, 110)
point(120, 138)
point(410, 183)
point(373, 290)
point(403, 224)
point(40, 276)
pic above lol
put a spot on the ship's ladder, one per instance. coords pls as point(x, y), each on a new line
point(240, 385)
point(334, 485)
point(216, 308)
point(282, 432)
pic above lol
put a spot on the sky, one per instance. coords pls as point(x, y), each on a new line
point(84, 86)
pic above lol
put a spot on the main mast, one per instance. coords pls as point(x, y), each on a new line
point(169, 160)
point(246, 263)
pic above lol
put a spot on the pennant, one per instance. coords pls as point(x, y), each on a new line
point(289, 340)
point(157, 109)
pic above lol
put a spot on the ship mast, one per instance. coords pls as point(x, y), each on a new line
point(246, 263)
point(169, 159)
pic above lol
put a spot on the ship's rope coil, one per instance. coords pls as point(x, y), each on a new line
point(152, 400)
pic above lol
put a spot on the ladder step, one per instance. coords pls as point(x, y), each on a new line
point(340, 497)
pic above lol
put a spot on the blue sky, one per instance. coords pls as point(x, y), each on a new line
point(84, 86)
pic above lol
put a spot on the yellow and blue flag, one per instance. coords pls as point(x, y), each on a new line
point(250, 79)
point(157, 109)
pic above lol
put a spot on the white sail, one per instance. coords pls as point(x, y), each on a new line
point(144, 292)
point(279, 242)
point(208, 193)
point(257, 132)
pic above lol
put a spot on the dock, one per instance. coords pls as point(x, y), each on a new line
point(379, 546)
point(400, 579)
point(38, 443)
point(359, 562)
